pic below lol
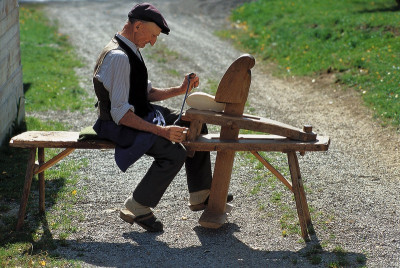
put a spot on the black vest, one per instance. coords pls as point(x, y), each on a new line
point(138, 83)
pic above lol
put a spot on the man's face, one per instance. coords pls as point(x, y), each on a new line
point(145, 32)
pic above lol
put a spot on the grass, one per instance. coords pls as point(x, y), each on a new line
point(50, 84)
point(48, 61)
point(34, 244)
point(358, 41)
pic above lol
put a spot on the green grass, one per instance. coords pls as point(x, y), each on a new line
point(51, 84)
point(48, 63)
point(356, 40)
point(33, 246)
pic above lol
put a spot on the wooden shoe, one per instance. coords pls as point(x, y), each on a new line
point(204, 101)
point(147, 221)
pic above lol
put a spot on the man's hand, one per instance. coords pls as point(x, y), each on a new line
point(194, 82)
point(173, 133)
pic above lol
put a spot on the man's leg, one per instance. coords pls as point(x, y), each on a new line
point(198, 167)
point(168, 160)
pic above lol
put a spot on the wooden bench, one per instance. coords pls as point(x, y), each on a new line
point(36, 142)
point(233, 91)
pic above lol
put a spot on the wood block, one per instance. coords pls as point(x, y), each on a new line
point(250, 122)
point(264, 143)
point(210, 219)
point(234, 85)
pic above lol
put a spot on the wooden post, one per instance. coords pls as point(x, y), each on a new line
point(27, 188)
point(299, 195)
point(233, 90)
point(194, 132)
point(41, 182)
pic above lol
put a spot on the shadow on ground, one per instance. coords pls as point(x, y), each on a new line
point(215, 246)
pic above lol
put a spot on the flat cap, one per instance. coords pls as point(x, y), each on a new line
point(148, 12)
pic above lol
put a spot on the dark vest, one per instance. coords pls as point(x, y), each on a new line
point(138, 82)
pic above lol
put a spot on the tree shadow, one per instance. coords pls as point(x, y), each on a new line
point(26, 87)
point(214, 248)
point(395, 8)
point(33, 219)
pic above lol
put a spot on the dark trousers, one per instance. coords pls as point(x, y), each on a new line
point(169, 158)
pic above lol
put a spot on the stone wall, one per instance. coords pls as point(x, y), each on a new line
point(12, 105)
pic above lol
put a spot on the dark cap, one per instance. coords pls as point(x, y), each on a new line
point(148, 12)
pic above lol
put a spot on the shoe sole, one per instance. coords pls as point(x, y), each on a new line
point(130, 218)
point(127, 216)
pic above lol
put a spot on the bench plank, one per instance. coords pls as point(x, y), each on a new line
point(266, 143)
point(57, 139)
point(249, 122)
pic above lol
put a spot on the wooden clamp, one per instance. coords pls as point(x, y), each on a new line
point(233, 92)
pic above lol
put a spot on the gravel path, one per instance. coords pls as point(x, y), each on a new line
point(352, 189)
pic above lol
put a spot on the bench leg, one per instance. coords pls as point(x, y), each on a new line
point(299, 195)
point(27, 188)
point(214, 216)
point(41, 182)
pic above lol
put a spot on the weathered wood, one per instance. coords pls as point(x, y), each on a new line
point(193, 133)
point(307, 128)
point(214, 220)
point(232, 90)
point(273, 170)
point(9, 20)
point(220, 182)
point(42, 167)
point(42, 208)
point(57, 139)
point(250, 122)
point(234, 85)
point(27, 188)
point(9, 60)
point(6, 7)
point(301, 204)
point(266, 143)
point(302, 193)
point(236, 79)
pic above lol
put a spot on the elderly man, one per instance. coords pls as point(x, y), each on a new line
point(127, 117)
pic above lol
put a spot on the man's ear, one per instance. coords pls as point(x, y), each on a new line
point(136, 25)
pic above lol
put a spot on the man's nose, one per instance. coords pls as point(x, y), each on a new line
point(153, 41)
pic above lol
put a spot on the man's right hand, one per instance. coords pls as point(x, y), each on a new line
point(173, 133)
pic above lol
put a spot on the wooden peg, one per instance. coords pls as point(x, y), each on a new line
point(307, 128)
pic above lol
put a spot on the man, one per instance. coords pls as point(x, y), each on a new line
point(138, 127)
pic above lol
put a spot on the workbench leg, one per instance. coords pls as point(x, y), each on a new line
point(27, 188)
point(41, 182)
point(214, 216)
point(299, 195)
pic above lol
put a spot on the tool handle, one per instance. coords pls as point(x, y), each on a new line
point(184, 99)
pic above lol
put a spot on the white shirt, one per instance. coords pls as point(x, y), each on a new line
point(114, 73)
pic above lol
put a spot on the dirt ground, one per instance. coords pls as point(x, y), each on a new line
point(352, 188)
